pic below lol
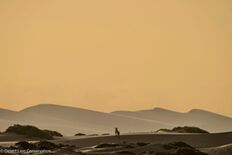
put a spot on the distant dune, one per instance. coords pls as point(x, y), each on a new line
point(71, 120)
point(209, 121)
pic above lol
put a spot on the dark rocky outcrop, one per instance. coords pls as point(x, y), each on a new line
point(32, 132)
point(185, 129)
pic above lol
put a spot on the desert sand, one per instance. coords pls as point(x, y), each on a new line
point(214, 144)
point(70, 120)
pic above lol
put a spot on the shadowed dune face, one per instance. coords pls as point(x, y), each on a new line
point(70, 120)
point(176, 148)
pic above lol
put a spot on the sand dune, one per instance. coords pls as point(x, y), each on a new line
point(71, 120)
point(195, 140)
point(213, 144)
point(206, 120)
point(220, 150)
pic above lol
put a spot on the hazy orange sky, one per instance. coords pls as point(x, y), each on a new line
point(117, 54)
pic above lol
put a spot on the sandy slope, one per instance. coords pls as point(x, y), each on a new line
point(195, 140)
point(213, 144)
point(125, 149)
point(220, 150)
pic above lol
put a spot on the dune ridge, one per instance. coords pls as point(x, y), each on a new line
point(70, 120)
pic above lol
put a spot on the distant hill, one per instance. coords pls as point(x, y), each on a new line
point(200, 118)
point(72, 120)
point(184, 129)
point(4, 113)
